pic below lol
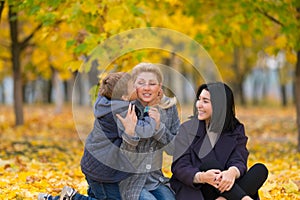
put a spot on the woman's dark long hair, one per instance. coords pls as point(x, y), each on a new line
point(222, 100)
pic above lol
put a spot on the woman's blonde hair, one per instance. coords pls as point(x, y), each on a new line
point(165, 102)
point(147, 67)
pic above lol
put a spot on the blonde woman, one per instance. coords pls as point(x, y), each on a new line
point(149, 183)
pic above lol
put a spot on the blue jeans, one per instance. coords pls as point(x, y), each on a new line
point(101, 191)
point(98, 191)
point(163, 192)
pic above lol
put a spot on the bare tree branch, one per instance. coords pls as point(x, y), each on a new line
point(25, 42)
point(270, 17)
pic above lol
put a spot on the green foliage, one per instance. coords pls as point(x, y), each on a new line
point(81, 48)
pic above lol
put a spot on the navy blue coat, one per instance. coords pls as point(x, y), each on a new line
point(103, 160)
point(230, 150)
point(102, 144)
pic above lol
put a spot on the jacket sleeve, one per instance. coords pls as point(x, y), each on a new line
point(145, 127)
point(102, 148)
point(182, 167)
point(239, 156)
point(168, 129)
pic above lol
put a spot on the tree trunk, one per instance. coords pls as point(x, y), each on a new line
point(294, 92)
point(25, 100)
point(59, 95)
point(255, 88)
point(237, 56)
point(283, 95)
point(69, 89)
point(241, 92)
point(15, 52)
point(66, 91)
point(1, 8)
point(297, 93)
point(2, 95)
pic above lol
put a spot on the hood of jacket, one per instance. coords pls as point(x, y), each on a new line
point(104, 106)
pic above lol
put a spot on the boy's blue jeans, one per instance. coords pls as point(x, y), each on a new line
point(101, 191)
point(110, 191)
point(98, 191)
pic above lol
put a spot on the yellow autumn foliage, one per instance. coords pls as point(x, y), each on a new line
point(291, 57)
point(44, 154)
point(280, 42)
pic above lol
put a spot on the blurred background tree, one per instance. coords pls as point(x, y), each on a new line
point(44, 43)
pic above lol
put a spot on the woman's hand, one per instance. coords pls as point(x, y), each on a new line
point(129, 122)
point(226, 179)
point(154, 113)
point(209, 177)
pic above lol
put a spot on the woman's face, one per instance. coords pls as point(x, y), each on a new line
point(204, 106)
point(147, 88)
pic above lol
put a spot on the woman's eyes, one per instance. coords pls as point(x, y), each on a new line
point(204, 100)
point(143, 84)
point(140, 83)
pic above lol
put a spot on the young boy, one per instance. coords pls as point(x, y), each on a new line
point(103, 162)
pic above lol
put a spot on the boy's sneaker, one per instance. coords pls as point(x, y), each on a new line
point(43, 196)
point(67, 193)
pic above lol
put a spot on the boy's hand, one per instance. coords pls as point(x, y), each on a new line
point(129, 122)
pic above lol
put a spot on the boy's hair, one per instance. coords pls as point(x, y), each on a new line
point(115, 85)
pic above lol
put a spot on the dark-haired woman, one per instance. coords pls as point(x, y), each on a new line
point(210, 160)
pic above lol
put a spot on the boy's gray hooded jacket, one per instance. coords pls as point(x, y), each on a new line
point(103, 160)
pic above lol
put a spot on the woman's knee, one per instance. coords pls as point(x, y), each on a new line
point(261, 169)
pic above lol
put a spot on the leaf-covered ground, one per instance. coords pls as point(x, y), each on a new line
point(44, 154)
